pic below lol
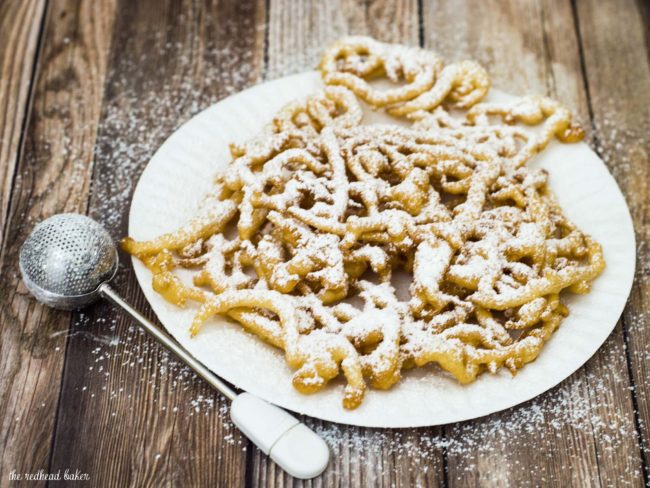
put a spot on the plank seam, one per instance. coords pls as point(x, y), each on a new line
point(420, 23)
point(549, 75)
point(635, 403)
point(585, 81)
point(29, 104)
point(644, 13)
point(267, 24)
point(445, 457)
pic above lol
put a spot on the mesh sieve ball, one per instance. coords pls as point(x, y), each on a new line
point(66, 258)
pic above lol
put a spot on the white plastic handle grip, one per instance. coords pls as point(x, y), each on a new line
point(294, 446)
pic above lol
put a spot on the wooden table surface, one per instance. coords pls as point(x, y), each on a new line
point(89, 90)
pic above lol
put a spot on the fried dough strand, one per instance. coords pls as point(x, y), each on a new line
point(327, 211)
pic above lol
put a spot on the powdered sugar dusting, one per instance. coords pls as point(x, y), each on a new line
point(548, 415)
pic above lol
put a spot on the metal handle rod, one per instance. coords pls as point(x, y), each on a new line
point(108, 293)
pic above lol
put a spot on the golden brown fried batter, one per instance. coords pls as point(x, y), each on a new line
point(327, 210)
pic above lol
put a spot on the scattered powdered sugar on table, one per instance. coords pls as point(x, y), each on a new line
point(562, 420)
point(579, 408)
point(146, 112)
point(620, 144)
point(540, 429)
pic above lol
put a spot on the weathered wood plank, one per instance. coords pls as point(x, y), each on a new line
point(138, 424)
point(315, 25)
point(360, 457)
point(581, 433)
point(615, 43)
point(20, 25)
point(131, 415)
point(52, 176)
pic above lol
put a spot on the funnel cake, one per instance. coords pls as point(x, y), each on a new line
point(301, 237)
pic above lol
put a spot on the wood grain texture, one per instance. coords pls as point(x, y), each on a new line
point(614, 41)
point(532, 47)
point(360, 457)
point(114, 78)
point(20, 24)
point(53, 175)
point(126, 400)
point(314, 25)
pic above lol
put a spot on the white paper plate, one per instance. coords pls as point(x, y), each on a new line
point(181, 172)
